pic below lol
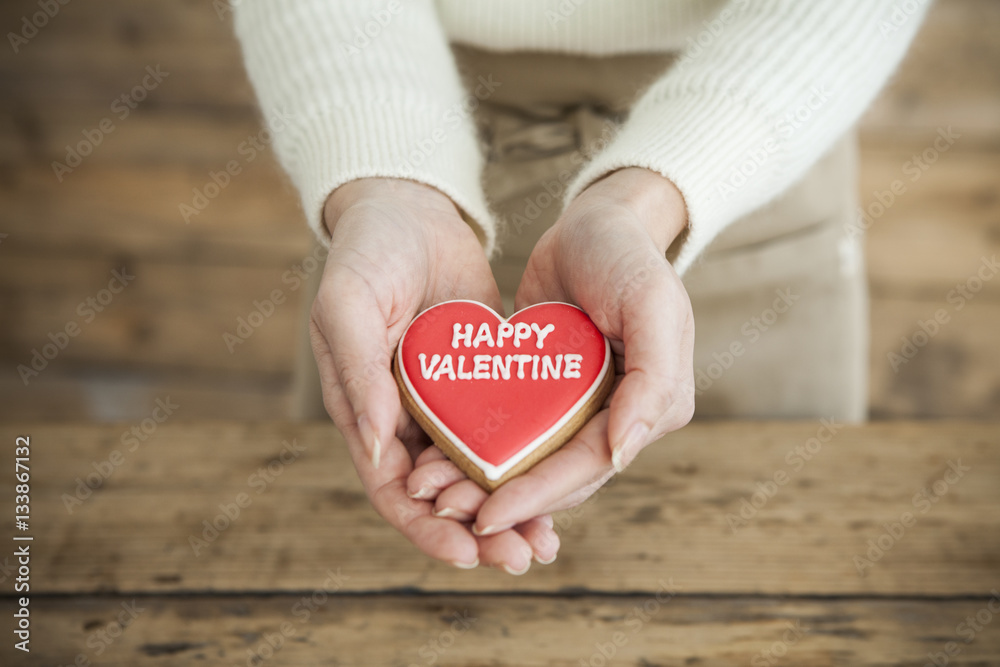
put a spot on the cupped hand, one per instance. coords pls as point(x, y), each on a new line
point(606, 254)
point(398, 247)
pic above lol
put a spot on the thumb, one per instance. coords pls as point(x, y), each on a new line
point(538, 284)
point(656, 395)
point(348, 317)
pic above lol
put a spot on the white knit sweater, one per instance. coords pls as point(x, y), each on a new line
point(363, 88)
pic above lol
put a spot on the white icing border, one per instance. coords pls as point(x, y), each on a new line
point(494, 472)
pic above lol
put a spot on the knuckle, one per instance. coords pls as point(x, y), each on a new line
point(663, 390)
point(352, 379)
point(681, 410)
point(547, 540)
point(438, 477)
point(633, 277)
point(338, 409)
point(329, 297)
point(675, 403)
point(343, 283)
point(685, 410)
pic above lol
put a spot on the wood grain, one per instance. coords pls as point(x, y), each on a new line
point(526, 631)
point(128, 210)
point(122, 396)
point(664, 517)
point(96, 51)
point(953, 372)
point(948, 77)
point(937, 233)
point(170, 315)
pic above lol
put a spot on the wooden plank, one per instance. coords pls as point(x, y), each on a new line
point(171, 316)
point(952, 373)
point(96, 51)
point(105, 396)
point(949, 77)
point(927, 255)
point(667, 516)
point(129, 210)
point(493, 630)
point(937, 232)
point(148, 135)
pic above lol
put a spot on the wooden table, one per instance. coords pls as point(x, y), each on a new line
point(651, 570)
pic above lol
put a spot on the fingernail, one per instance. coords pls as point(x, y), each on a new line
point(421, 493)
point(546, 562)
point(466, 566)
point(489, 530)
point(630, 445)
point(517, 573)
point(450, 513)
point(370, 440)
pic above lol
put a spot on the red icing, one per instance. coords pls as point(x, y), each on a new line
point(497, 418)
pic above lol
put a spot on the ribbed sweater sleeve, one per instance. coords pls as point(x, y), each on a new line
point(362, 88)
point(764, 92)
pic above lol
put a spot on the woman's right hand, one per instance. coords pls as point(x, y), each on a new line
point(397, 248)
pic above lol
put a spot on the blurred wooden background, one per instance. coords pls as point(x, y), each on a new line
point(163, 335)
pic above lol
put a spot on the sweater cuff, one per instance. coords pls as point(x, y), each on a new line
point(324, 149)
point(691, 141)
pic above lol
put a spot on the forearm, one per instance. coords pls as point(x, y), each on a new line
point(358, 105)
point(735, 122)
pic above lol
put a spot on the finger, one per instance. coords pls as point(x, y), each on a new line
point(538, 284)
point(507, 550)
point(340, 410)
point(430, 479)
point(471, 279)
point(412, 435)
point(348, 316)
point(439, 538)
point(562, 480)
point(334, 399)
point(386, 486)
point(656, 394)
point(342, 413)
point(429, 455)
point(460, 501)
point(543, 539)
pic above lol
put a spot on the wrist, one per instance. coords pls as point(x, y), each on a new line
point(654, 199)
point(365, 191)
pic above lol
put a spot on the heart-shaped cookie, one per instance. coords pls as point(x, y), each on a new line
point(497, 396)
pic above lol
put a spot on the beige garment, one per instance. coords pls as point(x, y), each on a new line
point(779, 298)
